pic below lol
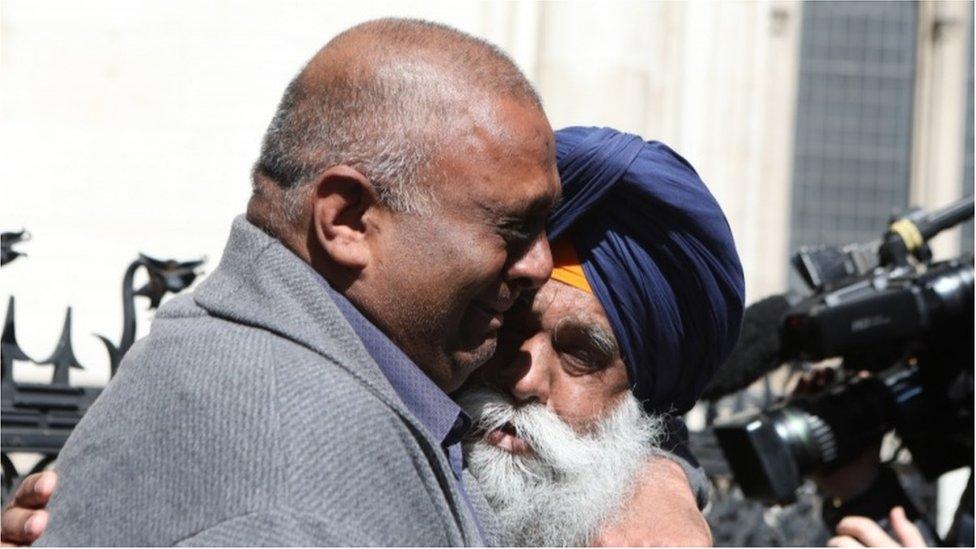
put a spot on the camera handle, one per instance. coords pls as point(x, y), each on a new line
point(908, 234)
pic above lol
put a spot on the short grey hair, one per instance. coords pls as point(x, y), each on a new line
point(387, 120)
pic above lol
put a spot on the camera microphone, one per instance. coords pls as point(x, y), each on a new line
point(758, 350)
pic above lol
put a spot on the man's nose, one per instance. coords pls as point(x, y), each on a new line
point(533, 267)
point(527, 378)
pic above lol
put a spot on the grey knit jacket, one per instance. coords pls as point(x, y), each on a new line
point(252, 415)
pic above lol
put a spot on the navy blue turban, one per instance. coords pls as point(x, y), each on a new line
point(658, 254)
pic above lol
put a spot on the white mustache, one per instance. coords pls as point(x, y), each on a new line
point(555, 443)
point(553, 440)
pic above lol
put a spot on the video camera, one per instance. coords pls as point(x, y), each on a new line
point(903, 327)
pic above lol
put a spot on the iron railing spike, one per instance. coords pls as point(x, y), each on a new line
point(114, 356)
point(63, 357)
point(9, 348)
point(7, 242)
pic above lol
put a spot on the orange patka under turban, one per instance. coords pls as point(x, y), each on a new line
point(566, 266)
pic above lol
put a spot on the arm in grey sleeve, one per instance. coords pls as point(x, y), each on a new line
point(268, 528)
point(675, 448)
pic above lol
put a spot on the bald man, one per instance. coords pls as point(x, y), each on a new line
point(299, 395)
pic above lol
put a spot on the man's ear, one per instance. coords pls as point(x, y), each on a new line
point(342, 200)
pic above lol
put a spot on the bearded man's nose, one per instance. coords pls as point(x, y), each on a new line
point(528, 383)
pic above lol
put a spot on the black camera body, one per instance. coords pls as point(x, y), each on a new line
point(909, 326)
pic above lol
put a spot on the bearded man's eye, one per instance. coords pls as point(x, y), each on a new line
point(584, 348)
point(580, 362)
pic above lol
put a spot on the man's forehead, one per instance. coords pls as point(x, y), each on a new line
point(500, 188)
point(557, 302)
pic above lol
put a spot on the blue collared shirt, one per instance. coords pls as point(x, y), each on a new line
point(445, 420)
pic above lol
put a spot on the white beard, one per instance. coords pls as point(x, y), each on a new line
point(563, 492)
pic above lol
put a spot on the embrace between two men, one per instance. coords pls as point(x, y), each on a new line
point(439, 323)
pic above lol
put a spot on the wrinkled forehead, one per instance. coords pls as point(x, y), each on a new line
point(557, 302)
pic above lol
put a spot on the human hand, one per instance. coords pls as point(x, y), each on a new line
point(864, 532)
point(660, 512)
point(24, 518)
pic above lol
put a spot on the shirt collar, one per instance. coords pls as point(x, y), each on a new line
point(432, 406)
